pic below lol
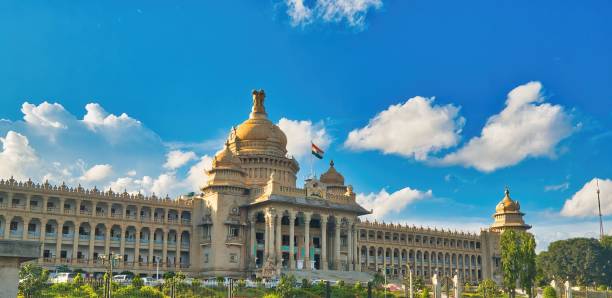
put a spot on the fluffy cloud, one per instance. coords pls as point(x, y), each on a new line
point(300, 133)
point(415, 128)
point(17, 158)
point(584, 202)
point(97, 173)
point(526, 127)
point(384, 203)
point(45, 115)
point(353, 12)
point(177, 158)
point(196, 177)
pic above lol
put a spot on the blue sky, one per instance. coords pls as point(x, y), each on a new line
point(423, 85)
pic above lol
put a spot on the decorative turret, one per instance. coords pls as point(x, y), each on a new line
point(508, 215)
point(332, 177)
point(226, 170)
point(334, 180)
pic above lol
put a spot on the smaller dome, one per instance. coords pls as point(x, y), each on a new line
point(332, 176)
point(507, 204)
point(225, 158)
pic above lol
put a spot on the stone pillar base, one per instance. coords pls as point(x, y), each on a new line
point(12, 254)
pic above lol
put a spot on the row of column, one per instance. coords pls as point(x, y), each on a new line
point(273, 244)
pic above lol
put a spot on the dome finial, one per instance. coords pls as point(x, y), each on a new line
point(258, 103)
point(507, 191)
point(331, 163)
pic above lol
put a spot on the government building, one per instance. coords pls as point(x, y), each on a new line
point(249, 220)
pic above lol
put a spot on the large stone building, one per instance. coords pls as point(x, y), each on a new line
point(249, 219)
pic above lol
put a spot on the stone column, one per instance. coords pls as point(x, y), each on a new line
point(358, 251)
point(26, 223)
point(164, 260)
point(58, 238)
point(122, 242)
point(279, 237)
point(253, 246)
point(137, 245)
point(307, 216)
point(28, 197)
point(266, 239)
point(107, 240)
point(42, 240)
point(337, 245)
point(292, 240)
point(7, 227)
point(568, 289)
point(75, 241)
point(324, 262)
point(92, 239)
point(349, 246)
point(151, 245)
point(179, 239)
point(61, 205)
point(271, 250)
point(44, 206)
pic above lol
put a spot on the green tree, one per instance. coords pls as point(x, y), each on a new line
point(527, 273)
point(425, 292)
point(583, 261)
point(77, 280)
point(488, 288)
point(285, 286)
point(510, 259)
point(168, 275)
point(549, 292)
point(137, 282)
point(32, 279)
point(377, 280)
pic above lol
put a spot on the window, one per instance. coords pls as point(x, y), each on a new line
point(49, 228)
point(32, 227)
point(206, 258)
point(63, 254)
point(14, 225)
point(46, 253)
point(233, 258)
point(34, 203)
point(65, 230)
point(234, 231)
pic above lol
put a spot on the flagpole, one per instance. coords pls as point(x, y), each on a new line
point(311, 163)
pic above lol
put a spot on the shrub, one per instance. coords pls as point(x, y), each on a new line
point(272, 295)
point(78, 279)
point(137, 282)
point(549, 292)
point(151, 292)
point(341, 283)
point(285, 286)
point(168, 275)
point(488, 288)
point(305, 283)
point(425, 292)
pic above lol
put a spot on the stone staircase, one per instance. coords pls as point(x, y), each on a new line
point(349, 277)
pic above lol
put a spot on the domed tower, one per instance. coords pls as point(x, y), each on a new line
point(508, 215)
point(261, 147)
point(333, 179)
point(226, 170)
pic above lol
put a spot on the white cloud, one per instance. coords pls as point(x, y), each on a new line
point(197, 176)
point(584, 202)
point(17, 158)
point(45, 115)
point(415, 128)
point(353, 12)
point(97, 173)
point(300, 133)
point(384, 203)
point(557, 187)
point(526, 127)
point(177, 158)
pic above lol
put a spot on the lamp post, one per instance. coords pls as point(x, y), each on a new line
point(111, 258)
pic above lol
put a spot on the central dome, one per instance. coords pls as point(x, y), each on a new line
point(258, 132)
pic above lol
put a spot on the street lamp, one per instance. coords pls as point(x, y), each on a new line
point(111, 258)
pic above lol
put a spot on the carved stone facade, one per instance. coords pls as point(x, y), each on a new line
point(249, 219)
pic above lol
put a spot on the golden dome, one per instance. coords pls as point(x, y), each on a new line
point(507, 204)
point(259, 128)
point(225, 158)
point(332, 176)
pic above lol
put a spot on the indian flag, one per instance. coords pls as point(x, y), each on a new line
point(316, 151)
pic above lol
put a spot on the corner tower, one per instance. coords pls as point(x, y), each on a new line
point(508, 215)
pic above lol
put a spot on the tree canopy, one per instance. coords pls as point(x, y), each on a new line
point(583, 261)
